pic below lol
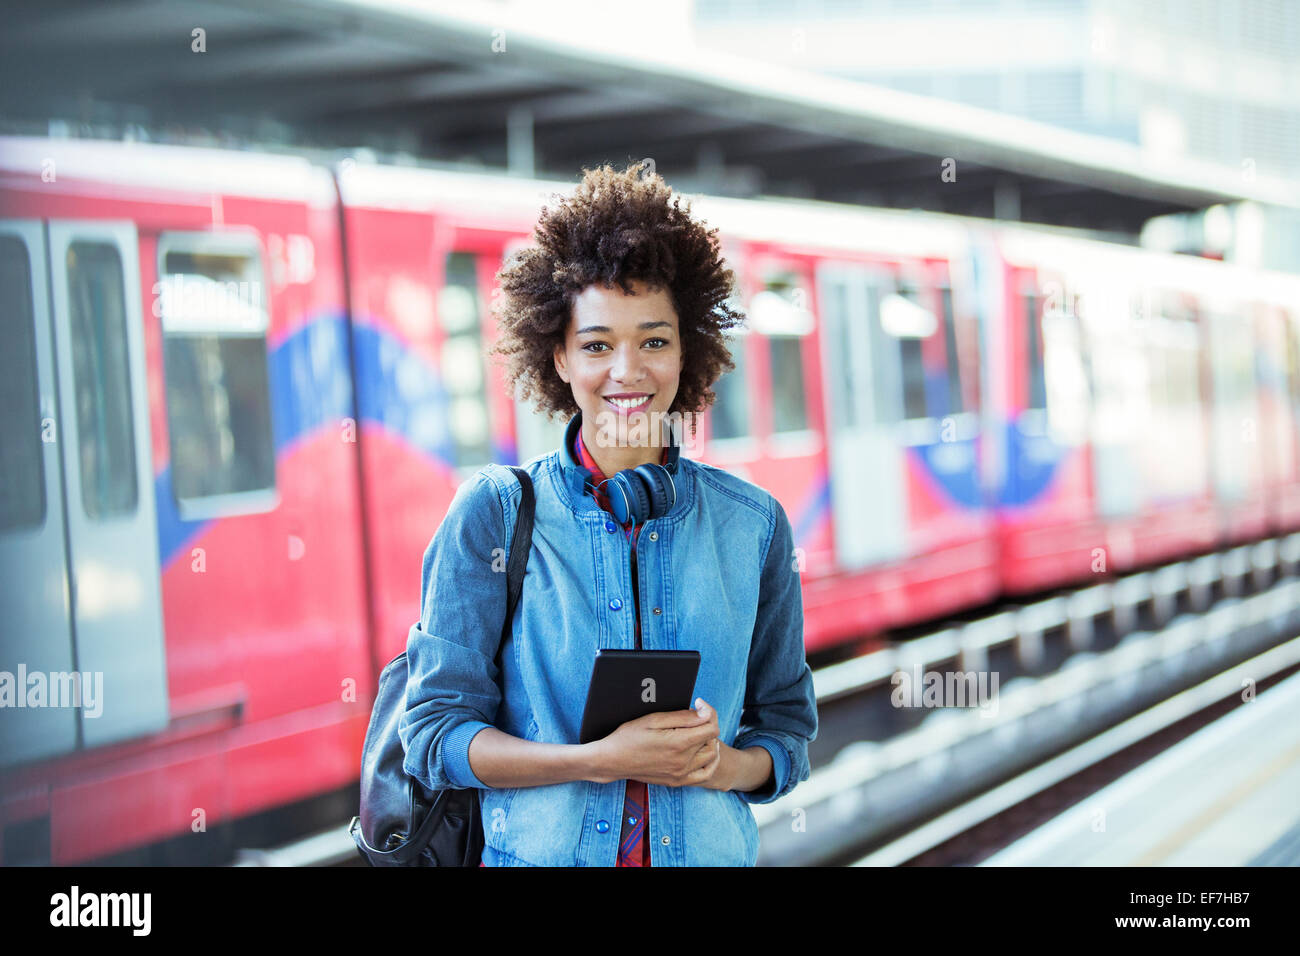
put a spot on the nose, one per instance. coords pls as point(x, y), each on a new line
point(627, 367)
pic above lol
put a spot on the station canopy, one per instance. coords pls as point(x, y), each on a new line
point(428, 82)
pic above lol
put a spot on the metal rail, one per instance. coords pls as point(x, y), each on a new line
point(1093, 751)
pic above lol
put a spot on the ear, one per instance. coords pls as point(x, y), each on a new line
point(560, 366)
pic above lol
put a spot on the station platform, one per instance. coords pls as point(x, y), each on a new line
point(1229, 795)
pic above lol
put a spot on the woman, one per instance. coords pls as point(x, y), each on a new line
point(615, 317)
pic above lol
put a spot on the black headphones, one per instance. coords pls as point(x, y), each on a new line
point(640, 493)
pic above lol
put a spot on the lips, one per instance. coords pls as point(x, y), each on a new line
point(623, 407)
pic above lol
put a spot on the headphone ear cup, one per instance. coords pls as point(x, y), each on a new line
point(629, 493)
point(658, 491)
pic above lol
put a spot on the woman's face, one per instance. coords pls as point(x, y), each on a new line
point(620, 344)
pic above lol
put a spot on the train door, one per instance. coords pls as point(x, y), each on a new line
point(33, 560)
point(1121, 414)
point(863, 390)
point(478, 409)
point(1274, 426)
point(108, 476)
point(731, 418)
point(1289, 496)
point(535, 434)
point(781, 357)
point(1235, 396)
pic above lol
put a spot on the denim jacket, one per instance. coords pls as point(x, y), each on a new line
point(717, 574)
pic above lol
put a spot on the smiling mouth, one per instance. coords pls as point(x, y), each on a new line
point(625, 405)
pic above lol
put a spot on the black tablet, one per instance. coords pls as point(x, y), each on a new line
point(626, 685)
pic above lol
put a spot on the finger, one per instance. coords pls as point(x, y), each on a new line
point(712, 758)
point(717, 754)
point(706, 710)
point(675, 718)
point(709, 754)
point(701, 736)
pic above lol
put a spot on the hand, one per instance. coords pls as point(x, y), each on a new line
point(678, 748)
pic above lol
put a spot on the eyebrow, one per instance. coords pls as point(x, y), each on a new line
point(606, 328)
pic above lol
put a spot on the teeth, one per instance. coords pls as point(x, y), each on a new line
point(627, 402)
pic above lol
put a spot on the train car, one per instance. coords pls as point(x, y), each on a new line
point(1145, 410)
point(854, 397)
point(181, 521)
point(890, 507)
point(246, 388)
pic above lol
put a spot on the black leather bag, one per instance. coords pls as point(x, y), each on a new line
point(401, 823)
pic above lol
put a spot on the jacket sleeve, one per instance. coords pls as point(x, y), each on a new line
point(780, 712)
point(452, 689)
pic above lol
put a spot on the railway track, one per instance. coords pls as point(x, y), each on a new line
point(974, 831)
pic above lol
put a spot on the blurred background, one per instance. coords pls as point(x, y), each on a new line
point(1021, 362)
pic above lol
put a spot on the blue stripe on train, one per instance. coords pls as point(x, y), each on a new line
point(311, 389)
point(308, 380)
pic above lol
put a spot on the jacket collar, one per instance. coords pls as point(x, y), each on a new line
point(573, 476)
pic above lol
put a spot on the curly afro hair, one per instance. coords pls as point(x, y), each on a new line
point(617, 227)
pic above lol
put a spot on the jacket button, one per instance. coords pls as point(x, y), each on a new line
point(602, 826)
point(665, 841)
point(611, 527)
point(659, 610)
point(615, 604)
point(654, 535)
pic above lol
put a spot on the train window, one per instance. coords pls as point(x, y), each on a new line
point(781, 312)
point(215, 365)
point(1037, 397)
point(845, 385)
point(1184, 365)
point(954, 404)
point(22, 468)
point(1172, 350)
point(789, 409)
point(730, 411)
point(461, 362)
point(101, 379)
point(911, 326)
point(1293, 359)
point(1158, 376)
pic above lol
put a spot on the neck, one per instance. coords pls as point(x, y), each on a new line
point(615, 458)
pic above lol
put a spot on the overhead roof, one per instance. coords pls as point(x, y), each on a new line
point(419, 78)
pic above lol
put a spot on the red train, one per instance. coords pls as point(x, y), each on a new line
point(242, 390)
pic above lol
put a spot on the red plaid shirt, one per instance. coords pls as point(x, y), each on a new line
point(633, 848)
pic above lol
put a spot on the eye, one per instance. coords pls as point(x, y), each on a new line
point(665, 342)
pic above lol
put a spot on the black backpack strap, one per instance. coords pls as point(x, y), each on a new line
point(521, 544)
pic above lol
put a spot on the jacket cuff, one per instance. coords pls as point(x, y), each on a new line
point(780, 771)
point(455, 755)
